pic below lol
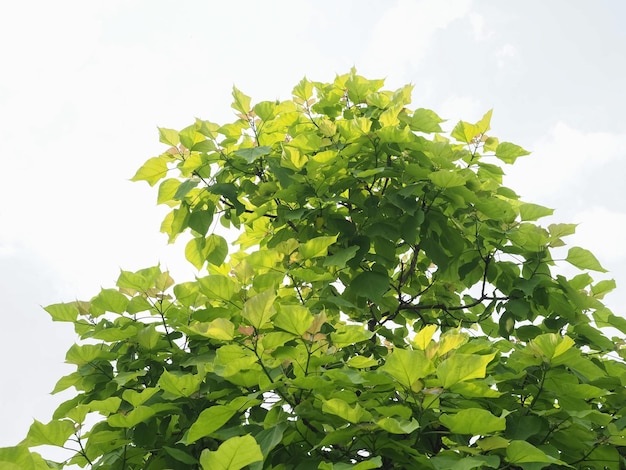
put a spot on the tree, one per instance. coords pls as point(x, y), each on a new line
point(388, 303)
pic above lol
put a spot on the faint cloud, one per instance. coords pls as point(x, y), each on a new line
point(404, 33)
point(566, 157)
point(506, 54)
point(478, 27)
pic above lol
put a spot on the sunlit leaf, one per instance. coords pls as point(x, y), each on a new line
point(241, 101)
point(473, 421)
point(132, 418)
point(583, 259)
point(294, 319)
point(221, 329)
point(233, 454)
point(508, 152)
point(209, 421)
point(63, 312)
point(179, 384)
point(407, 366)
point(152, 171)
point(55, 433)
point(353, 414)
point(523, 452)
point(462, 367)
point(447, 179)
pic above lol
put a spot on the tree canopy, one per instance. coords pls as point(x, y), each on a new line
point(386, 303)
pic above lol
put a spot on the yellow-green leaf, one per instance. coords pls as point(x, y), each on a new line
point(259, 309)
point(295, 319)
point(152, 171)
point(407, 366)
point(423, 337)
point(221, 329)
point(340, 408)
point(398, 426)
point(233, 454)
point(168, 136)
point(447, 178)
point(473, 421)
point(462, 367)
point(209, 421)
point(241, 101)
point(583, 259)
point(55, 433)
point(133, 418)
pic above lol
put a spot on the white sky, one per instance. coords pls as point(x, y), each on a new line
point(83, 86)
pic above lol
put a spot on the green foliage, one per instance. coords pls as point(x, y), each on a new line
point(387, 304)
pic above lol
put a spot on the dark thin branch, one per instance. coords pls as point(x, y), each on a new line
point(446, 308)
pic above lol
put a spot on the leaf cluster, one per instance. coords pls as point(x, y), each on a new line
point(388, 303)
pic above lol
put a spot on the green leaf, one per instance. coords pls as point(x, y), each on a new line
point(195, 252)
point(462, 367)
point(583, 259)
point(398, 426)
point(316, 247)
point(213, 249)
point(550, 345)
point(349, 334)
point(131, 419)
point(508, 152)
point(455, 462)
point(216, 249)
point(268, 439)
point(209, 421)
point(361, 362)
point(425, 120)
point(67, 381)
point(221, 329)
point(523, 452)
point(55, 433)
point(110, 300)
point(107, 406)
point(465, 132)
point(140, 281)
point(233, 454)
point(241, 101)
point(602, 288)
point(341, 257)
point(530, 211)
point(217, 286)
point(447, 178)
point(152, 171)
point(86, 353)
point(254, 153)
point(303, 90)
point(407, 367)
point(184, 188)
point(181, 456)
point(473, 421)
point(370, 284)
point(139, 398)
point(168, 136)
point(200, 221)
point(21, 458)
point(338, 407)
point(63, 312)
point(294, 319)
point(259, 309)
point(485, 122)
point(179, 384)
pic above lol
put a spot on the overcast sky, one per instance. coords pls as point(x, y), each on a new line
point(84, 84)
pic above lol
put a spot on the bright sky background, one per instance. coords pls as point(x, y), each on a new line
point(84, 84)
